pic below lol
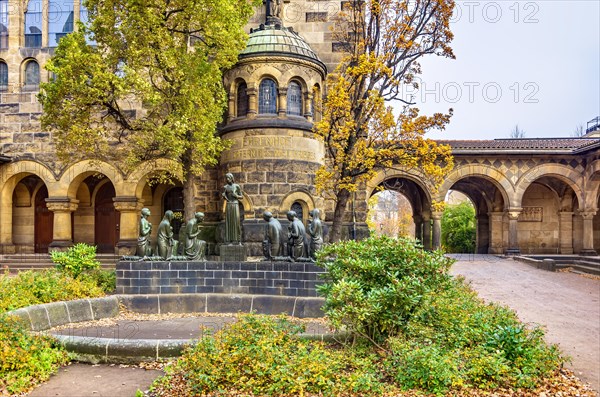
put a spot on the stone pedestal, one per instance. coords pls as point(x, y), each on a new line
point(233, 253)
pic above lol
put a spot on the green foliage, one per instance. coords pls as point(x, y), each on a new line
point(165, 55)
point(25, 359)
point(76, 259)
point(459, 228)
point(456, 340)
point(50, 285)
point(374, 286)
point(263, 355)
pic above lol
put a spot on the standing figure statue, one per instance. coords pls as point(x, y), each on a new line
point(233, 227)
point(144, 245)
point(296, 232)
point(315, 230)
point(194, 248)
point(272, 244)
point(166, 244)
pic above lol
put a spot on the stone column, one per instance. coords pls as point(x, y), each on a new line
point(496, 238)
point(252, 102)
point(437, 229)
point(129, 208)
point(308, 107)
point(588, 232)
point(62, 235)
point(418, 227)
point(231, 111)
point(45, 11)
point(426, 231)
point(565, 232)
point(513, 235)
point(281, 102)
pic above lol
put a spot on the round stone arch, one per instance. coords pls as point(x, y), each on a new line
point(478, 170)
point(137, 180)
point(73, 176)
point(304, 198)
point(265, 71)
point(592, 178)
point(415, 176)
point(561, 172)
point(10, 176)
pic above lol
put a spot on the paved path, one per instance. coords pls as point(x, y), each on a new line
point(566, 304)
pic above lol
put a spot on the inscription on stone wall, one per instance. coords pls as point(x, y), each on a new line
point(531, 214)
point(272, 147)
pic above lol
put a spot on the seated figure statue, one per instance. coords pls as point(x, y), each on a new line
point(166, 244)
point(296, 232)
point(315, 230)
point(194, 248)
point(272, 244)
point(144, 245)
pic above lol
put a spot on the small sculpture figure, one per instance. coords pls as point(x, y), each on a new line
point(232, 194)
point(144, 245)
point(166, 244)
point(194, 248)
point(296, 232)
point(272, 244)
point(315, 230)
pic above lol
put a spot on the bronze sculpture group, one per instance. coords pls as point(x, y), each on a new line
point(190, 246)
point(302, 244)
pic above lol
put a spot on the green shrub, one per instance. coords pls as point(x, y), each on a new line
point(49, 285)
point(373, 287)
point(482, 345)
point(263, 355)
point(25, 359)
point(76, 259)
point(459, 228)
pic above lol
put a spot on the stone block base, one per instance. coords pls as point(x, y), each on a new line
point(233, 253)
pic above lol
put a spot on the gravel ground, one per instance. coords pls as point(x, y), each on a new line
point(566, 304)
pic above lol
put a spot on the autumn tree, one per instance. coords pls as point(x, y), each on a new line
point(384, 41)
point(151, 85)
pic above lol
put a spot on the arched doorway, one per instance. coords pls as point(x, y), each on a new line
point(106, 219)
point(391, 214)
point(43, 222)
point(173, 200)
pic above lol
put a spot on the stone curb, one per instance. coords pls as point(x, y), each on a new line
point(40, 318)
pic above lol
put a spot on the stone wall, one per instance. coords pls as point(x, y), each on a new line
point(259, 278)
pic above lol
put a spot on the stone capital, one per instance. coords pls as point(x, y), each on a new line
point(61, 204)
point(513, 213)
point(436, 215)
point(587, 213)
point(127, 204)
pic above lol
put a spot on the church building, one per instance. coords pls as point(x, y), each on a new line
point(531, 196)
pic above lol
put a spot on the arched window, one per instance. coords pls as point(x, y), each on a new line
point(242, 100)
point(3, 23)
point(32, 75)
point(294, 99)
point(3, 76)
point(60, 20)
point(33, 24)
point(267, 97)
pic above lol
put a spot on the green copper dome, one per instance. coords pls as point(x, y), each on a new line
point(276, 39)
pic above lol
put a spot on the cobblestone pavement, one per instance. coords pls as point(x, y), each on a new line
point(566, 304)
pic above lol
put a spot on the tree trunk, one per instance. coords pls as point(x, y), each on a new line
point(189, 206)
point(335, 233)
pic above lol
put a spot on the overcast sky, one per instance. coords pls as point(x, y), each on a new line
point(531, 63)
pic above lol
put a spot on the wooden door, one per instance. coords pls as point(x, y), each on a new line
point(43, 222)
point(173, 201)
point(106, 220)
